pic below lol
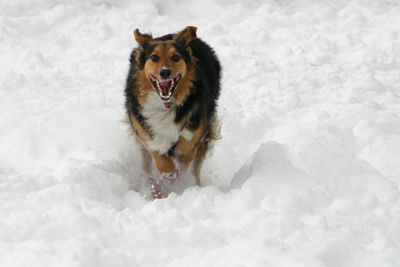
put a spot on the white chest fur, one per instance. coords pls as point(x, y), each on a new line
point(161, 120)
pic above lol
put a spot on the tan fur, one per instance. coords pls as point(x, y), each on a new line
point(163, 163)
point(188, 34)
point(201, 152)
point(186, 146)
point(146, 160)
point(165, 50)
point(145, 87)
point(141, 133)
point(142, 38)
point(182, 90)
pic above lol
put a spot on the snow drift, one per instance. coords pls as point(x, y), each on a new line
point(306, 174)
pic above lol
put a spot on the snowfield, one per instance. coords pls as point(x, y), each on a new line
point(307, 173)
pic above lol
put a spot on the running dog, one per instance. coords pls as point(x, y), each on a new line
point(171, 96)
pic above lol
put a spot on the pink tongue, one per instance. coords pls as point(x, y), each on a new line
point(165, 85)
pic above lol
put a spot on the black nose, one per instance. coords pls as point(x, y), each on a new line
point(165, 73)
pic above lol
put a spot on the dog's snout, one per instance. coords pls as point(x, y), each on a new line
point(165, 73)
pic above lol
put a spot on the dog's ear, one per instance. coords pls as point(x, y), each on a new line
point(142, 39)
point(187, 35)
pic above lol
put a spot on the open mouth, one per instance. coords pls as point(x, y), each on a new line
point(165, 88)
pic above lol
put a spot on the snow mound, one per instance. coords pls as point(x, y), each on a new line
point(306, 174)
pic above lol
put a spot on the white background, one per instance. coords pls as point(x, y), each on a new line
point(307, 172)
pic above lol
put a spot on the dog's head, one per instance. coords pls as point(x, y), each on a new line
point(164, 62)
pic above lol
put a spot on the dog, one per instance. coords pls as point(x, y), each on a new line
point(171, 96)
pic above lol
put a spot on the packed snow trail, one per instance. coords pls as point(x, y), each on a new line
point(307, 173)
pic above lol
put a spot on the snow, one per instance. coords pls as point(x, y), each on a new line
point(306, 174)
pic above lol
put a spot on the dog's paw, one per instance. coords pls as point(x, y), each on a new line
point(156, 190)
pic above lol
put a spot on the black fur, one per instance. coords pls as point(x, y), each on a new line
point(148, 49)
point(201, 102)
point(131, 102)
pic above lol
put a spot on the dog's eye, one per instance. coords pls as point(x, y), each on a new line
point(176, 58)
point(155, 58)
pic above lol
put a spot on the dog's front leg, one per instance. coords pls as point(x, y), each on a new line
point(190, 151)
point(163, 162)
point(187, 146)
